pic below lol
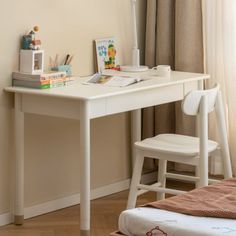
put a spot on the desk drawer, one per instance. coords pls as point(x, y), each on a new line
point(146, 98)
point(51, 106)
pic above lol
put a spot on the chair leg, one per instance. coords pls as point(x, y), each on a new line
point(136, 177)
point(227, 169)
point(162, 164)
point(203, 172)
point(203, 158)
point(197, 174)
point(224, 140)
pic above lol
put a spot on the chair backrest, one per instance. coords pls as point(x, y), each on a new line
point(192, 101)
point(202, 102)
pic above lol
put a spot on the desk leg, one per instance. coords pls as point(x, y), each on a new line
point(84, 170)
point(19, 161)
point(136, 125)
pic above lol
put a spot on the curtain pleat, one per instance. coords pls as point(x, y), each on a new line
point(219, 24)
point(173, 37)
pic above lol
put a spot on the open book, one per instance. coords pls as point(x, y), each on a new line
point(112, 80)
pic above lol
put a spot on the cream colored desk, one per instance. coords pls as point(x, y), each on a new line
point(86, 102)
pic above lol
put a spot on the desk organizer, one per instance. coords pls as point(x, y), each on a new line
point(66, 68)
point(31, 61)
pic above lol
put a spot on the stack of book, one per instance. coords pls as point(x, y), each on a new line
point(41, 81)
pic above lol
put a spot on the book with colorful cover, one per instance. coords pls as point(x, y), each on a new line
point(44, 84)
point(45, 80)
point(106, 54)
point(43, 76)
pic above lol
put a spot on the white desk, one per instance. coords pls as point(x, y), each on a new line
point(85, 102)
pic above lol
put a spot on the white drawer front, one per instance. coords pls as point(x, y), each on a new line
point(51, 106)
point(141, 99)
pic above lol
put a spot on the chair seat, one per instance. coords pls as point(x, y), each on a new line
point(174, 144)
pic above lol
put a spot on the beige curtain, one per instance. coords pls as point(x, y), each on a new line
point(219, 24)
point(173, 37)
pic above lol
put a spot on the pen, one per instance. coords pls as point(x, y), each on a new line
point(67, 57)
point(69, 60)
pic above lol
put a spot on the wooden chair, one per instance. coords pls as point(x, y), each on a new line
point(184, 149)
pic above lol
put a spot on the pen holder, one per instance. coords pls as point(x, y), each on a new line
point(66, 68)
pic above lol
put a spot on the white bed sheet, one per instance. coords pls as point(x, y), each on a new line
point(138, 221)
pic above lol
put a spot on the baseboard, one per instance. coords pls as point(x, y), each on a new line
point(6, 219)
point(75, 199)
point(64, 202)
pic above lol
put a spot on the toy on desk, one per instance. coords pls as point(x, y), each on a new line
point(31, 55)
point(29, 41)
point(64, 66)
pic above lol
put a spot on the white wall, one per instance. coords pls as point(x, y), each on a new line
point(51, 144)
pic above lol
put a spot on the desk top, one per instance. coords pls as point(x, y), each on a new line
point(80, 91)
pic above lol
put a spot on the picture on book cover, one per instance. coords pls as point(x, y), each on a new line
point(106, 53)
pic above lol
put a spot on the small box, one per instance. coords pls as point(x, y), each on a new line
point(66, 68)
point(31, 61)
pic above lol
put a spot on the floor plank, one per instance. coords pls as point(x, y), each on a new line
point(104, 212)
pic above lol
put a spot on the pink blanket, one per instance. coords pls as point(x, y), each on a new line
point(218, 200)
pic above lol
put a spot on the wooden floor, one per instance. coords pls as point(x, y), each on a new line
point(65, 222)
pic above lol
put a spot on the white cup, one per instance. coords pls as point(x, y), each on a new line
point(162, 71)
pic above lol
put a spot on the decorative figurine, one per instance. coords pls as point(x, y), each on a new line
point(31, 57)
point(29, 41)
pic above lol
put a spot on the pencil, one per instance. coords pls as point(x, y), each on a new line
point(67, 57)
point(69, 60)
point(56, 61)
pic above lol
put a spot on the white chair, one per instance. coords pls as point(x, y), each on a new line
point(184, 149)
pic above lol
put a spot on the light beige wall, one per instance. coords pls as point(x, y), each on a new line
point(51, 144)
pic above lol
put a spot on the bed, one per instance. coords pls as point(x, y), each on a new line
point(140, 221)
point(209, 211)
